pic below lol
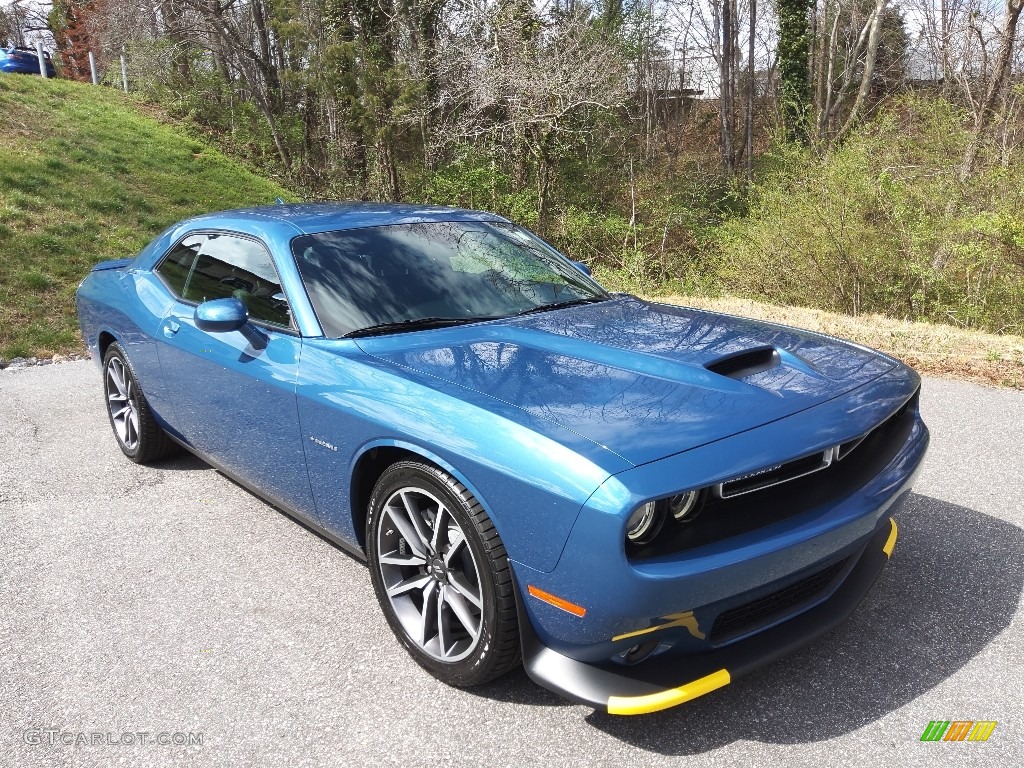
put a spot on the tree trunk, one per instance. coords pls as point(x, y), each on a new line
point(217, 42)
point(172, 28)
point(794, 51)
point(748, 127)
point(267, 59)
point(986, 111)
point(871, 56)
point(727, 76)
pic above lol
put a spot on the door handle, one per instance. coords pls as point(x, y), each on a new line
point(171, 327)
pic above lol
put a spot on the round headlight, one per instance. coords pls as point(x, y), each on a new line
point(684, 506)
point(644, 523)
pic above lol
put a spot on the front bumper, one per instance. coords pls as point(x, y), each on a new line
point(671, 679)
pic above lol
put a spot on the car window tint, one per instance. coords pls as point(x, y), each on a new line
point(177, 265)
point(229, 266)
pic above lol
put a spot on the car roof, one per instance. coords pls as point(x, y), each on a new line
point(310, 218)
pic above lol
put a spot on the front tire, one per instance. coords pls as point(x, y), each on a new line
point(441, 575)
point(138, 435)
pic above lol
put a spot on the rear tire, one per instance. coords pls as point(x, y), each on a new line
point(138, 435)
point(441, 575)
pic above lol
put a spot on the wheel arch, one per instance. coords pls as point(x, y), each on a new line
point(374, 458)
point(103, 342)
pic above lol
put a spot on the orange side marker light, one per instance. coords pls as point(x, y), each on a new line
point(565, 605)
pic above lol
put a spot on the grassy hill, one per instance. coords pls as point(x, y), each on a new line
point(86, 175)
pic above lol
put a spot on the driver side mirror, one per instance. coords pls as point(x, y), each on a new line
point(582, 268)
point(225, 315)
point(221, 315)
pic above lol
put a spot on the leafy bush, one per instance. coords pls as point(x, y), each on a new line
point(883, 224)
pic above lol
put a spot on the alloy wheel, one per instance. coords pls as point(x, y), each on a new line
point(122, 400)
point(430, 574)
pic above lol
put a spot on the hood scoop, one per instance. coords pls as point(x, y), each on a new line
point(749, 362)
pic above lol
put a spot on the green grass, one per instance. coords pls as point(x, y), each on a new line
point(86, 176)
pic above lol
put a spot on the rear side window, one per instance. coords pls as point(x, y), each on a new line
point(218, 266)
point(177, 265)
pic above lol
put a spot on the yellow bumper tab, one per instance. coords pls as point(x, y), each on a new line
point(655, 702)
point(890, 543)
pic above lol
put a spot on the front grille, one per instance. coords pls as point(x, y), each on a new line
point(781, 473)
point(765, 610)
point(788, 489)
point(797, 468)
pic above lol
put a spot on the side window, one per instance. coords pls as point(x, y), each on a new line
point(228, 266)
point(234, 266)
point(178, 264)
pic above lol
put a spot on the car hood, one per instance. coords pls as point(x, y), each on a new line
point(644, 380)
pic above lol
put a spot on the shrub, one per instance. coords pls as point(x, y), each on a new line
point(882, 224)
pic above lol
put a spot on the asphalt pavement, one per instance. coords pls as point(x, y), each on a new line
point(164, 616)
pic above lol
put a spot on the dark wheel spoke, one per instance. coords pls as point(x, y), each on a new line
point(461, 586)
point(444, 632)
point(415, 514)
point(417, 582)
point(460, 608)
point(440, 528)
point(428, 620)
point(453, 548)
point(394, 558)
point(117, 378)
point(409, 532)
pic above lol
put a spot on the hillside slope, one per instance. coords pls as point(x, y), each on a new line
point(85, 176)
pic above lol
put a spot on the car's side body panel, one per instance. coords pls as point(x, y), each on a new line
point(237, 403)
point(125, 305)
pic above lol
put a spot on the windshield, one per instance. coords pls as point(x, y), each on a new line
point(410, 274)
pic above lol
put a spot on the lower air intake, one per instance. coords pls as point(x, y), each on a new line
point(751, 616)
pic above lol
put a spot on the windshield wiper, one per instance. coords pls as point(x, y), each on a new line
point(560, 304)
point(416, 324)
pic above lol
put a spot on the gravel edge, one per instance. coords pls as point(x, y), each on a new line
point(20, 363)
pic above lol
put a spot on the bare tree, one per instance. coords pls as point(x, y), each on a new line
point(23, 22)
point(533, 90)
point(748, 124)
point(873, 29)
point(727, 67)
point(984, 112)
point(10, 28)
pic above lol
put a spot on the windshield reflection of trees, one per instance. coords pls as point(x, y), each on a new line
point(365, 277)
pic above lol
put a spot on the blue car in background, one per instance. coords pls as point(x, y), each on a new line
point(24, 61)
point(637, 501)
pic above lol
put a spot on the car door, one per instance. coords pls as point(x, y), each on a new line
point(235, 402)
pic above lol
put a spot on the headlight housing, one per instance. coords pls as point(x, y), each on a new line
point(684, 507)
point(645, 523)
point(647, 520)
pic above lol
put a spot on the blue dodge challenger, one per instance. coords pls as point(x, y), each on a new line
point(638, 502)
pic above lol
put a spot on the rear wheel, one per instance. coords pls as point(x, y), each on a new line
point(139, 436)
point(441, 575)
